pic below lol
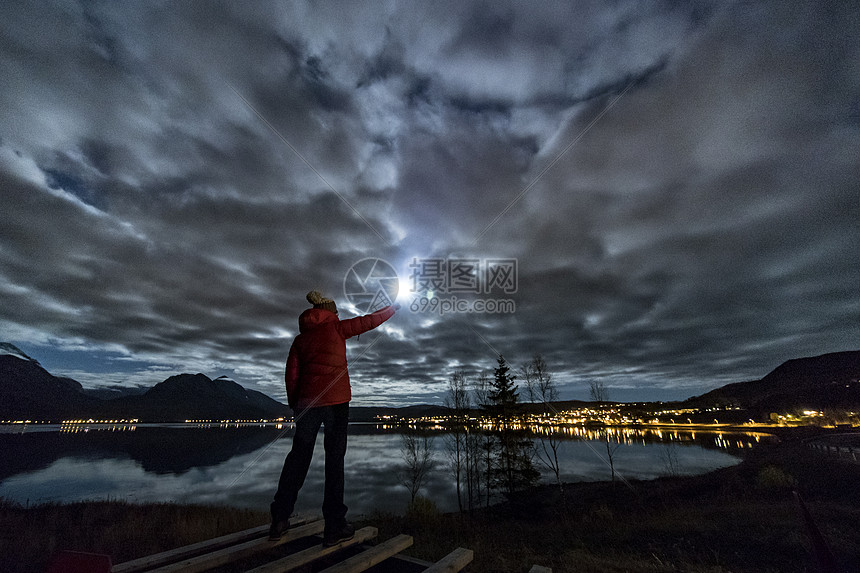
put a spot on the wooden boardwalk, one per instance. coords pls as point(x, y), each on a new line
point(243, 551)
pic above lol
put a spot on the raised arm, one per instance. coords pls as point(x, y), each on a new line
point(355, 326)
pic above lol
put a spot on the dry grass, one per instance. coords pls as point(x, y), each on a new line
point(30, 536)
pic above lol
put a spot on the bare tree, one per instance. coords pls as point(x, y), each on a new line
point(485, 444)
point(542, 389)
point(458, 402)
point(417, 451)
point(669, 457)
point(474, 487)
point(600, 394)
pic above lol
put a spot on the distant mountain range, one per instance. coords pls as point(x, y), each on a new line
point(818, 383)
point(197, 397)
point(29, 392)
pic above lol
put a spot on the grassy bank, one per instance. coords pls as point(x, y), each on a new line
point(740, 519)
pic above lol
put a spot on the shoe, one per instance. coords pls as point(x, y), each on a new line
point(278, 529)
point(339, 535)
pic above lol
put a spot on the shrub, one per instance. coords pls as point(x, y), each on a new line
point(774, 478)
point(422, 512)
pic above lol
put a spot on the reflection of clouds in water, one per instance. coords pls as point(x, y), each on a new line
point(68, 479)
point(373, 475)
point(373, 464)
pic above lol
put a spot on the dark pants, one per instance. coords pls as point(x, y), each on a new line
point(308, 421)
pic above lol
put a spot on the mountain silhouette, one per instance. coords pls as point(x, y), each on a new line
point(818, 382)
point(29, 392)
point(196, 397)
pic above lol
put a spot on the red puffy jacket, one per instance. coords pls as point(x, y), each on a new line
point(316, 373)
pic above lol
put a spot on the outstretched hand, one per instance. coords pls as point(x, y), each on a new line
point(396, 306)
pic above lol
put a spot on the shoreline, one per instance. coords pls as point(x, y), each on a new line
point(690, 523)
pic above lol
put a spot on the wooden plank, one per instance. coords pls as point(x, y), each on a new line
point(296, 560)
point(158, 559)
point(240, 551)
point(186, 551)
point(420, 564)
point(540, 569)
point(372, 556)
point(453, 562)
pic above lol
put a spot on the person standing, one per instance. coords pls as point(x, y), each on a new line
point(318, 391)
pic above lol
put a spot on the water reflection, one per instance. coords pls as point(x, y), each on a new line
point(239, 464)
point(628, 435)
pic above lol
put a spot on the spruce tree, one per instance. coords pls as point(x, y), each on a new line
point(514, 468)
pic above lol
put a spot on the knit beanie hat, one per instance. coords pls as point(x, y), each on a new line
point(319, 301)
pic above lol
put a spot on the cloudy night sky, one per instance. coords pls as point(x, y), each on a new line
point(678, 183)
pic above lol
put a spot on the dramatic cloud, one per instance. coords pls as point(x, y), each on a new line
point(676, 181)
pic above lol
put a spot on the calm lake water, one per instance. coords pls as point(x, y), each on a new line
point(239, 465)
